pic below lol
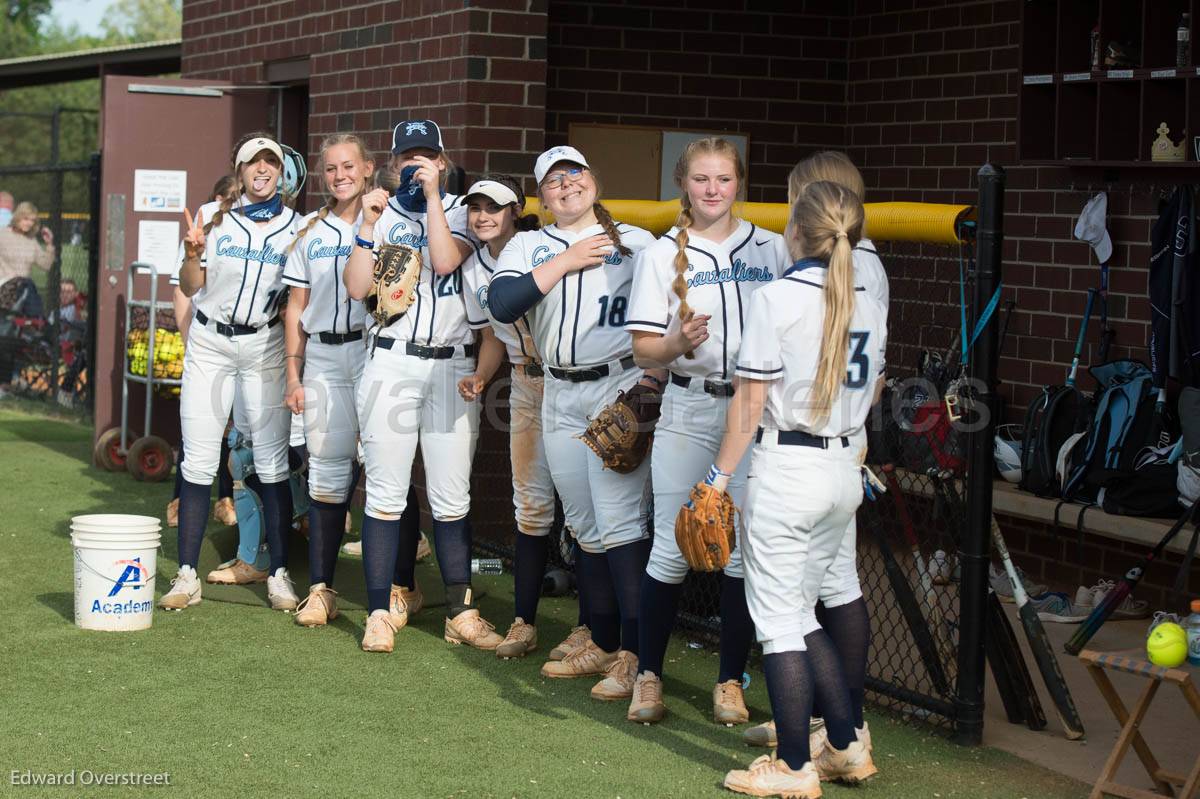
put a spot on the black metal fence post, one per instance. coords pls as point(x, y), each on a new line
point(975, 547)
point(52, 304)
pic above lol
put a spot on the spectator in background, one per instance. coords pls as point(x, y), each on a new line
point(70, 305)
point(23, 247)
point(6, 208)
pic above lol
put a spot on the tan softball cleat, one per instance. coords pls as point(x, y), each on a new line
point(173, 513)
point(236, 572)
point(520, 641)
point(850, 765)
point(318, 608)
point(583, 661)
point(224, 512)
point(646, 705)
point(379, 634)
point(818, 737)
point(761, 735)
point(352, 548)
point(185, 590)
point(423, 550)
point(403, 604)
point(768, 776)
point(618, 679)
point(579, 635)
point(472, 629)
point(729, 703)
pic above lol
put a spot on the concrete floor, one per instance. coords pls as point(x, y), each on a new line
point(1170, 728)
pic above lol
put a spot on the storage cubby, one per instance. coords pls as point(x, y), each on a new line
point(1076, 130)
point(1073, 114)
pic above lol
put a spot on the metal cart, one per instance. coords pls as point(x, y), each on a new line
point(150, 457)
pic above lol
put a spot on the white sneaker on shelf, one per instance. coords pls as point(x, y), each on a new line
point(281, 591)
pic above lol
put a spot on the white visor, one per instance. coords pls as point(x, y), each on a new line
point(253, 147)
point(498, 192)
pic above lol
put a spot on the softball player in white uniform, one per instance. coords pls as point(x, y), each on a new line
point(232, 271)
point(810, 367)
point(494, 205)
point(842, 609)
point(572, 280)
point(409, 390)
point(325, 359)
point(690, 297)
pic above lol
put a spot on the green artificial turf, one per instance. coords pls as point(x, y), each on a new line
point(233, 699)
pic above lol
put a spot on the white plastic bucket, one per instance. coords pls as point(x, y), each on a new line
point(116, 557)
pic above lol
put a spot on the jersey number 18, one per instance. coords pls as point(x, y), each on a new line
point(615, 316)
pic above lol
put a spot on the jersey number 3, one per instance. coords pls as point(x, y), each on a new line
point(860, 364)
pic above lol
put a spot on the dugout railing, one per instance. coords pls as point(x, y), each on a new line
point(923, 523)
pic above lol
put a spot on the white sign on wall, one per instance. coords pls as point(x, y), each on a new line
point(159, 190)
point(158, 244)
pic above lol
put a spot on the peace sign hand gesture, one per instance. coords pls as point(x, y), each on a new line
point(193, 241)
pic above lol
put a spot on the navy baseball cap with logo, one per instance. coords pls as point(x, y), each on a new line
point(414, 133)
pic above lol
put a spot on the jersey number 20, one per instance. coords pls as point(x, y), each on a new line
point(860, 364)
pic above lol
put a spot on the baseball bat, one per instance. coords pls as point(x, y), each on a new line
point(1009, 669)
point(910, 535)
point(911, 610)
point(1114, 598)
point(1039, 644)
point(1087, 314)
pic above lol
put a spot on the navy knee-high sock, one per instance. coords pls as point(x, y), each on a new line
point(627, 563)
point(179, 475)
point(604, 617)
point(849, 627)
point(277, 508)
point(584, 619)
point(659, 604)
point(326, 526)
point(380, 541)
point(830, 689)
point(410, 537)
point(193, 518)
point(737, 629)
point(790, 687)
point(224, 478)
point(529, 567)
point(452, 542)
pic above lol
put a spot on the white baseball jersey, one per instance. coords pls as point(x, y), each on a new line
point(438, 316)
point(477, 277)
point(782, 343)
point(869, 272)
point(316, 263)
point(721, 276)
point(243, 264)
point(581, 321)
point(206, 211)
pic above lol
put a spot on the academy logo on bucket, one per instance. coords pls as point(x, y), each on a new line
point(134, 576)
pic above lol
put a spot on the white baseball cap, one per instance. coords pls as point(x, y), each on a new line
point(1092, 227)
point(247, 151)
point(497, 192)
point(552, 156)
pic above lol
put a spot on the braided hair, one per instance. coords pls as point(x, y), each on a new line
point(707, 146)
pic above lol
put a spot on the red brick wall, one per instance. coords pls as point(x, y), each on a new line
point(773, 71)
point(471, 66)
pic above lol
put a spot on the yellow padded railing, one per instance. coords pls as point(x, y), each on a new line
point(932, 223)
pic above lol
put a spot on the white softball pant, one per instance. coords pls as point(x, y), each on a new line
point(403, 400)
point(533, 487)
point(605, 509)
point(841, 585)
point(217, 368)
point(331, 376)
point(686, 442)
point(799, 503)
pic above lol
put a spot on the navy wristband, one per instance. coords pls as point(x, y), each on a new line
point(361, 242)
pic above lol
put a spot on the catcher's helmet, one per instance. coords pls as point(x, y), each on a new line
point(295, 172)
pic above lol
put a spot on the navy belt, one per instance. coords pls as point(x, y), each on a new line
point(799, 438)
point(717, 388)
point(229, 331)
point(532, 369)
point(429, 353)
point(340, 338)
point(587, 373)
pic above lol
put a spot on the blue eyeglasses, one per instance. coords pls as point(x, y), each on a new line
point(556, 180)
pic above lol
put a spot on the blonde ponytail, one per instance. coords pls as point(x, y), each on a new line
point(826, 223)
point(320, 215)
